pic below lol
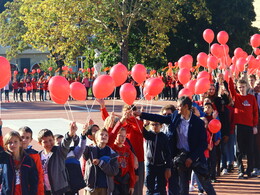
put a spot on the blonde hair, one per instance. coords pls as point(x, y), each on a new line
point(9, 136)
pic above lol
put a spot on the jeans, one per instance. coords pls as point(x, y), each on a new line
point(245, 146)
point(140, 183)
point(173, 187)
point(7, 95)
point(155, 175)
point(15, 95)
point(34, 94)
point(230, 149)
point(41, 95)
point(184, 177)
point(28, 95)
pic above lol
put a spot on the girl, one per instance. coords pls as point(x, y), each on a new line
point(19, 174)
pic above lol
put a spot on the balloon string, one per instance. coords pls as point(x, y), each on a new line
point(91, 108)
point(66, 112)
point(88, 111)
point(146, 109)
point(138, 126)
point(150, 108)
point(70, 111)
point(211, 137)
point(114, 99)
point(209, 48)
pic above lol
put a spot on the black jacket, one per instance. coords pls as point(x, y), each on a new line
point(157, 148)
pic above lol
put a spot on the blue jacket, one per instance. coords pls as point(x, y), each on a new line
point(28, 171)
point(197, 136)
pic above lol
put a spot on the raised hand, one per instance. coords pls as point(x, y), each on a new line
point(73, 129)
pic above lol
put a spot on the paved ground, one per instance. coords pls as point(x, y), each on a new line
point(39, 115)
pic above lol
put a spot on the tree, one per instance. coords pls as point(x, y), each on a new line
point(12, 29)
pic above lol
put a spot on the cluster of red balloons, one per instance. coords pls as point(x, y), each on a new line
point(60, 89)
point(5, 73)
point(104, 85)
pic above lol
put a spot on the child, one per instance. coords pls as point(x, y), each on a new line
point(15, 88)
point(28, 88)
point(246, 120)
point(34, 89)
point(158, 167)
point(125, 179)
point(76, 181)
point(209, 115)
point(20, 89)
point(101, 165)
point(53, 160)
point(26, 135)
point(18, 173)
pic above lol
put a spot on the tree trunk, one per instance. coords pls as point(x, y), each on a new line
point(124, 52)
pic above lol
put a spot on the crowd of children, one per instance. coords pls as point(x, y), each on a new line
point(129, 152)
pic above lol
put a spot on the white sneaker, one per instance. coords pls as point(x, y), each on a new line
point(192, 188)
point(224, 172)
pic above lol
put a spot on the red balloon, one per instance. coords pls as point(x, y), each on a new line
point(59, 87)
point(15, 72)
point(93, 69)
point(185, 61)
point(103, 86)
point(128, 93)
point(202, 59)
point(202, 85)
point(61, 100)
point(70, 69)
point(78, 91)
point(184, 75)
point(38, 71)
point(226, 76)
point(214, 125)
point(33, 71)
point(222, 37)
point(185, 92)
point(139, 73)
point(25, 70)
point(240, 64)
point(119, 74)
point(191, 85)
point(146, 95)
point(225, 49)
point(257, 51)
point(50, 68)
point(5, 72)
point(203, 74)
point(154, 86)
point(217, 50)
point(238, 52)
point(88, 69)
point(65, 68)
point(255, 40)
point(208, 35)
point(212, 62)
point(251, 61)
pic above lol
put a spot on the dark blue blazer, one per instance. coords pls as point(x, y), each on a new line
point(197, 136)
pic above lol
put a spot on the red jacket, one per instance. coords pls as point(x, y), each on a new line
point(246, 108)
point(125, 155)
point(134, 130)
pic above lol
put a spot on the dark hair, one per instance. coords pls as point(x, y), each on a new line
point(26, 130)
point(89, 131)
point(242, 81)
point(252, 76)
point(58, 136)
point(208, 104)
point(185, 100)
point(44, 133)
point(168, 107)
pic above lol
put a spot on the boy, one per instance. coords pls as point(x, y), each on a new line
point(246, 120)
point(212, 161)
point(53, 160)
point(125, 179)
point(26, 135)
point(158, 168)
point(101, 166)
